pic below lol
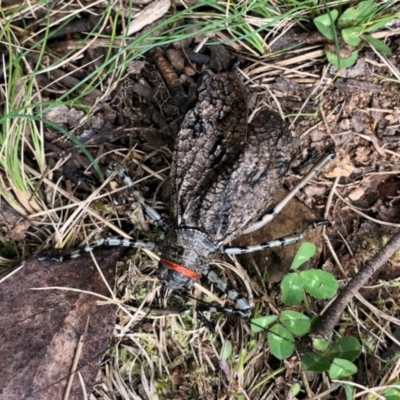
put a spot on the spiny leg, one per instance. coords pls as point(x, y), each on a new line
point(107, 242)
point(283, 241)
point(242, 309)
point(320, 164)
point(150, 211)
point(207, 307)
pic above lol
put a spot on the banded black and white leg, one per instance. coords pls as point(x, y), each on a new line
point(116, 240)
point(150, 211)
point(107, 242)
point(283, 241)
point(242, 308)
point(315, 170)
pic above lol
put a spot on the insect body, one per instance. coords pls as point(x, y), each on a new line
point(224, 177)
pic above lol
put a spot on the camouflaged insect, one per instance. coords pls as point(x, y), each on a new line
point(224, 177)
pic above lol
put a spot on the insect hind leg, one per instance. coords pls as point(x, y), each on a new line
point(315, 170)
point(242, 309)
point(211, 308)
point(150, 211)
point(283, 241)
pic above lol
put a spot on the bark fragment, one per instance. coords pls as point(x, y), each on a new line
point(40, 329)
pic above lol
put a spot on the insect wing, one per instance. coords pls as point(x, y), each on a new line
point(247, 188)
point(210, 140)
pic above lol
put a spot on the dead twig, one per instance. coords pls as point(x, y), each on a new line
point(332, 315)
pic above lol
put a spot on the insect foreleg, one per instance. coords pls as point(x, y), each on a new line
point(242, 306)
point(150, 211)
point(210, 308)
point(320, 164)
point(107, 242)
point(283, 241)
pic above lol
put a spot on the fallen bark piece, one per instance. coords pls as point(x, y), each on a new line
point(40, 330)
point(148, 15)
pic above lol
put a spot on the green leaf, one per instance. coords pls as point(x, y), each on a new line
point(347, 347)
point(280, 342)
point(305, 252)
point(294, 390)
point(341, 369)
point(349, 392)
point(315, 362)
point(392, 393)
point(292, 289)
point(324, 25)
point(260, 323)
point(297, 323)
point(226, 350)
point(352, 36)
point(355, 16)
point(320, 284)
point(340, 62)
point(379, 45)
point(321, 344)
point(375, 25)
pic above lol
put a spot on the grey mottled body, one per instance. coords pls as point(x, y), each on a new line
point(224, 177)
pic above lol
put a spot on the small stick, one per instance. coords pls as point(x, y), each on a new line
point(78, 353)
point(333, 313)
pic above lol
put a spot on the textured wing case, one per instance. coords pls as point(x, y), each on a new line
point(211, 137)
point(247, 189)
point(225, 174)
